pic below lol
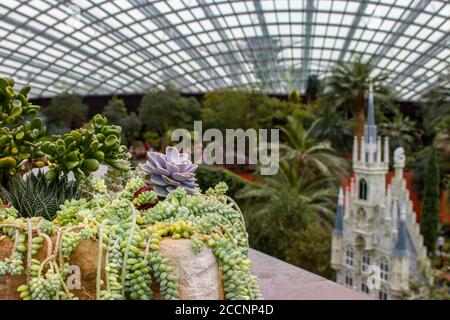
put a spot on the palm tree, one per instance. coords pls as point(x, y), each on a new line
point(333, 127)
point(291, 216)
point(347, 86)
point(402, 132)
point(290, 200)
point(435, 104)
point(310, 154)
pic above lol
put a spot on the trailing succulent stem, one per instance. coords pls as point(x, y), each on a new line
point(129, 240)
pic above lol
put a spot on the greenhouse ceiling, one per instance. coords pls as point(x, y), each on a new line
point(126, 46)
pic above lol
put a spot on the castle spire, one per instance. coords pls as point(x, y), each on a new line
point(339, 225)
point(370, 129)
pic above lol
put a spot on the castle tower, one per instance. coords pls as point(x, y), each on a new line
point(376, 226)
point(370, 168)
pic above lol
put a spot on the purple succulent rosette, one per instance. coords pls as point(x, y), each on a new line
point(166, 172)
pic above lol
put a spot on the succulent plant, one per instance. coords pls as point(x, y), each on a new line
point(18, 137)
point(14, 106)
point(166, 172)
point(81, 151)
point(33, 196)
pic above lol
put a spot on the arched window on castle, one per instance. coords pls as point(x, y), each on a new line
point(383, 294)
point(362, 189)
point(349, 256)
point(384, 269)
point(365, 261)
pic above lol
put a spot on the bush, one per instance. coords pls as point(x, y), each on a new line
point(231, 109)
point(430, 207)
point(116, 113)
point(208, 176)
point(65, 110)
point(161, 110)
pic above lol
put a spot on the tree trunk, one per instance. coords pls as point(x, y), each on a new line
point(359, 116)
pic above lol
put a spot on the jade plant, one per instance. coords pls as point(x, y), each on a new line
point(23, 141)
point(81, 151)
point(19, 136)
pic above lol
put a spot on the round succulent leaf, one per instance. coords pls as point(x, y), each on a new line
point(160, 191)
point(172, 168)
point(181, 176)
point(170, 181)
point(157, 180)
point(172, 154)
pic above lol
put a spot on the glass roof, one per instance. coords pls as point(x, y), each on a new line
point(126, 46)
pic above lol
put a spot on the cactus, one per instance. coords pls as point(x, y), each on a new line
point(33, 196)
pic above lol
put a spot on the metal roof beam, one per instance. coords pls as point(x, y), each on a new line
point(356, 20)
point(426, 56)
point(217, 27)
point(404, 24)
point(307, 45)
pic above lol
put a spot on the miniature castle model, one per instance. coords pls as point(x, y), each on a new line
point(376, 233)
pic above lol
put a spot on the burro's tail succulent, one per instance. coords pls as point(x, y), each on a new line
point(166, 172)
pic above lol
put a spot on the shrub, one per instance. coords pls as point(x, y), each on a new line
point(430, 218)
point(116, 113)
point(232, 109)
point(208, 176)
point(65, 110)
point(161, 110)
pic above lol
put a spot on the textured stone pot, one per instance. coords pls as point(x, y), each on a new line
point(199, 275)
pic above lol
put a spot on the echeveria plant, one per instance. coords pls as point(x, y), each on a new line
point(166, 172)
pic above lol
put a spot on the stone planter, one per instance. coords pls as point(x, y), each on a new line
point(198, 274)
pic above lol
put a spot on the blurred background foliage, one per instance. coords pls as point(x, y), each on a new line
point(289, 215)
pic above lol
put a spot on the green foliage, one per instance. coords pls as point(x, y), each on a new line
point(66, 110)
point(14, 106)
point(313, 89)
point(441, 142)
point(153, 138)
point(116, 113)
point(430, 205)
point(435, 105)
point(294, 96)
point(19, 137)
point(402, 132)
point(232, 109)
point(33, 196)
point(287, 208)
point(161, 110)
point(130, 238)
point(310, 248)
point(82, 151)
point(347, 86)
point(331, 126)
point(310, 154)
point(209, 176)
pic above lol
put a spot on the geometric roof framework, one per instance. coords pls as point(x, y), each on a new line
point(104, 47)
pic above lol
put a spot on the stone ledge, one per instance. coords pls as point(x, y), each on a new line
point(279, 280)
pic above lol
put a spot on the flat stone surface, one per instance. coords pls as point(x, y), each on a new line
point(279, 280)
